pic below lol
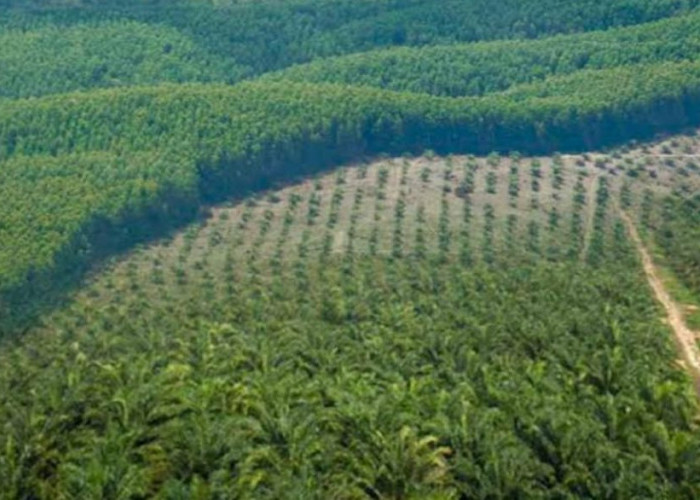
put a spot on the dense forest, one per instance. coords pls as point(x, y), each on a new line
point(429, 354)
point(233, 139)
point(479, 328)
point(107, 54)
point(436, 388)
point(479, 68)
point(230, 42)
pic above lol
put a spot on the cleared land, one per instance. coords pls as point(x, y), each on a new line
point(437, 204)
point(401, 329)
point(476, 211)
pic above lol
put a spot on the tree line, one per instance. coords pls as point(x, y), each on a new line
point(373, 377)
point(228, 140)
point(480, 68)
point(250, 38)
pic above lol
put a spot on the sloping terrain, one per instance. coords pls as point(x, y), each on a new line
point(456, 70)
point(573, 92)
point(686, 339)
point(349, 249)
point(221, 141)
point(375, 331)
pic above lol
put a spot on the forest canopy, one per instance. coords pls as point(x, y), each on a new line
point(346, 248)
point(566, 92)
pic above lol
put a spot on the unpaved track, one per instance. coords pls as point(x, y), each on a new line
point(685, 338)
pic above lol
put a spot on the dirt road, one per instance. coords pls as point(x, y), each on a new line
point(685, 338)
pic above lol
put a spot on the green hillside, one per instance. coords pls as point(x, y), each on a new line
point(229, 41)
point(432, 326)
point(54, 60)
point(349, 249)
point(481, 68)
point(234, 139)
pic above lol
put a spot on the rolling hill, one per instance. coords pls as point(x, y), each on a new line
point(349, 249)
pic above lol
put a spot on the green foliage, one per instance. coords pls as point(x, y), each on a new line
point(61, 213)
point(235, 139)
point(678, 233)
point(417, 376)
point(256, 37)
point(111, 54)
point(447, 381)
point(482, 68)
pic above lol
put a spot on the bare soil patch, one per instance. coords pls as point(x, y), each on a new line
point(685, 338)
